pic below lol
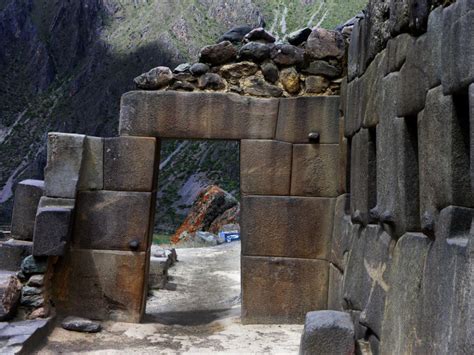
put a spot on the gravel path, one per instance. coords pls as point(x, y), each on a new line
point(201, 316)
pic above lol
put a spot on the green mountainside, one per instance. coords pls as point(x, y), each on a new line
point(65, 63)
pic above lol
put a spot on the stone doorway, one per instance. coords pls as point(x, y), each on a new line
point(289, 163)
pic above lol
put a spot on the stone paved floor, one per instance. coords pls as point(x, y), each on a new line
point(200, 317)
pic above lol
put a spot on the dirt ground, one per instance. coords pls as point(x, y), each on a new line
point(199, 314)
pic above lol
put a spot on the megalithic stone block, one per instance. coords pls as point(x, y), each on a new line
point(52, 231)
point(403, 302)
point(65, 154)
point(282, 290)
point(363, 176)
point(112, 220)
point(92, 170)
point(458, 46)
point(101, 284)
point(342, 231)
point(397, 50)
point(12, 253)
point(447, 287)
point(276, 226)
point(27, 196)
point(335, 300)
point(297, 117)
point(172, 114)
point(130, 163)
point(444, 157)
point(265, 167)
point(314, 170)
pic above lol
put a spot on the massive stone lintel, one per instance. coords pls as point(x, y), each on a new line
point(282, 290)
point(112, 220)
point(280, 226)
point(314, 170)
point(27, 197)
point(297, 117)
point(197, 115)
point(265, 167)
point(101, 284)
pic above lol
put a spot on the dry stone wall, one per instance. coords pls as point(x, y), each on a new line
point(401, 255)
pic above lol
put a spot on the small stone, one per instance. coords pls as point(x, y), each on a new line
point(323, 44)
point(255, 51)
point(34, 265)
point(238, 70)
point(216, 54)
point(198, 69)
point(154, 79)
point(182, 68)
point(30, 291)
point(36, 281)
point(297, 37)
point(259, 34)
point(211, 81)
point(78, 324)
point(185, 77)
point(290, 79)
point(327, 332)
point(316, 84)
point(41, 312)
point(257, 86)
point(182, 85)
point(321, 67)
point(10, 291)
point(287, 54)
point(235, 34)
point(270, 71)
point(33, 301)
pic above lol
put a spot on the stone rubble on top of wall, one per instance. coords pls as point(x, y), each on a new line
point(250, 62)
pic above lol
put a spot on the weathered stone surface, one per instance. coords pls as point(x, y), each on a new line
point(211, 203)
point(101, 284)
point(377, 30)
point(12, 253)
point(52, 231)
point(130, 163)
point(363, 176)
point(65, 155)
point(270, 71)
point(297, 117)
point(265, 167)
point(290, 79)
point(314, 168)
point(23, 337)
point(175, 115)
point(92, 170)
point(282, 290)
point(254, 51)
point(343, 174)
point(79, 324)
point(445, 323)
point(403, 302)
point(56, 202)
point(112, 220)
point(10, 291)
point(322, 44)
point(154, 79)
point(409, 15)
point(458, 46)
point(327, 332)
point(182, 86)
point(471, 126)
point(34, 265)
point(257, 86)
point(275, 226)
point(356, 50)
point(182, 68)
point(286, 55)
point(366, 275)
point(221, 53)
point(335, 300)
point(235, 71)
point(198, 69)
point(316, 84)
point(299, 36)
point(259, 34)
point(342, 232)
point(443, 156)
point(36, 281)
point(352, 118)
point(235, 34)
point(397, 50)
point(27, 196)
point(211, 81)
point(372, 92)
point(321, 67)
